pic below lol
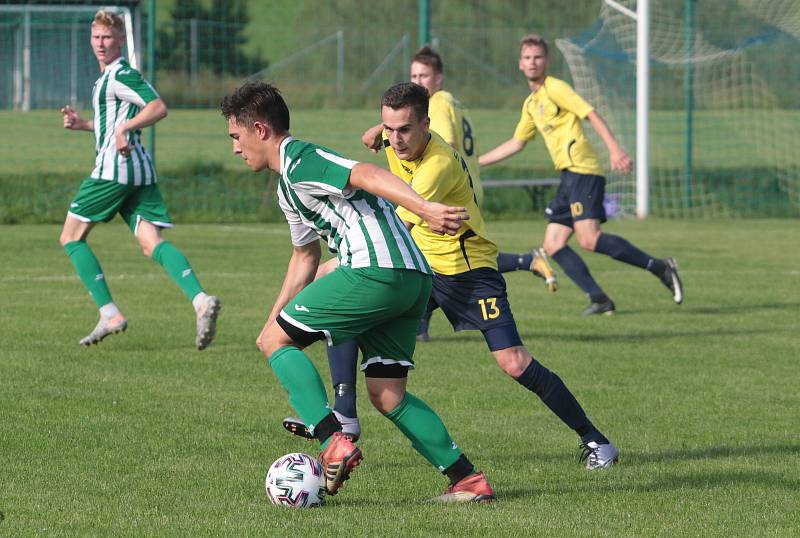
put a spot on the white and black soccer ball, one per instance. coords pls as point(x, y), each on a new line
point(296, 480)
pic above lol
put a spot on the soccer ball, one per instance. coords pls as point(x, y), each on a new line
point(296, 480)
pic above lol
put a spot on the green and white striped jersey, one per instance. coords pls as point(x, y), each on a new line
point(363, 229)
point(118, 95)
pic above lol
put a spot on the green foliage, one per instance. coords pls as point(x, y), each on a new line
point(145, 436)
point(197, 39)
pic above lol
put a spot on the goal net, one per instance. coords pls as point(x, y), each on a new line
point(46, 60)
point(724, 108)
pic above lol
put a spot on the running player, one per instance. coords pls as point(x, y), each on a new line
point(554, 109)
point(376, 295)
point(451, 121)
point(124, 181)
point(466, 283)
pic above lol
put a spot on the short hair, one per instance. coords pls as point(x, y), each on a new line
point(428, 56)
point(407, 94)
point(532, 40)
point(109, 19)
point(254, 101)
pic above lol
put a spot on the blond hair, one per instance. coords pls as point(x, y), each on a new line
point(109, 19)
point(533, 40)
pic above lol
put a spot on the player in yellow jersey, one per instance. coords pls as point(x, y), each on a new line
point(467, 285)
point(555, 110)
point(450, 120)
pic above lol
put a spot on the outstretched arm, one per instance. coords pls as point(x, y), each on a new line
point(510, 147)
point(74, 122)
point(620, 161)
point(441, 218)
point(153, 112)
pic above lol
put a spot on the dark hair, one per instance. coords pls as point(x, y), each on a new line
point(407, 94)
point(534, 40)
point(254, 101)
point(428, 56)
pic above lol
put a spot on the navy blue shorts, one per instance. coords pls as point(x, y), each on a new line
point(477, 300)
point(579, 197)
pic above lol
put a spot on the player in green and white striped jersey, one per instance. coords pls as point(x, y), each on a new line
point(376, 295)
point(124, 181)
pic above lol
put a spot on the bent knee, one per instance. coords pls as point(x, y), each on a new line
point(513, 361)
point(588, 243)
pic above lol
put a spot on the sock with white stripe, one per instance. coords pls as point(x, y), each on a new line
point(89, 271)
point(177, 267)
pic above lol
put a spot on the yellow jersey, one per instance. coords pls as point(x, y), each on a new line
point(441, 175)
point(556, 111)
point(451, 121)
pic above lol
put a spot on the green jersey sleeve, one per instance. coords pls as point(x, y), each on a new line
point(320, 173)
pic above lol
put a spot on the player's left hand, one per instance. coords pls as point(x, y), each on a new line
point(445, 219)
point(121, 137)
point(621, 162)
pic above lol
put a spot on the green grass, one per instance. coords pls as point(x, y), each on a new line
point(191, 136)
point(200, 136)
point(144, 436)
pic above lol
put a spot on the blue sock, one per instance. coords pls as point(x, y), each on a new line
point(343, 361)
point(575, 268)
point(557, 397)
point(507, 262)
point(621, 249)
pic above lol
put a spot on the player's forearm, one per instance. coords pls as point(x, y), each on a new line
point(383, 183)
point(299, 274)
point(603, 131)
point(84, 125)
point(505, 150)
point(153, 112)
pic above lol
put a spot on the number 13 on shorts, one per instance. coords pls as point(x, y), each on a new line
point(489, 308)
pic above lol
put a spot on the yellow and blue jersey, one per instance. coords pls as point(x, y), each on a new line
point(451, 121)
point(441, 175)
point(556, 111)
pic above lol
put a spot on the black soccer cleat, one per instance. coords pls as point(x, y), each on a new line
point(672, 280)
point(297, 427)
point(606, 307)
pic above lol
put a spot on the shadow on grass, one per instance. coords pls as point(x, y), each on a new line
point(715, 310)
point(712, 452)
point(635, 336)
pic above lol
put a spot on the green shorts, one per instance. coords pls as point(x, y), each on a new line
point(99, 200)
point(379, 308)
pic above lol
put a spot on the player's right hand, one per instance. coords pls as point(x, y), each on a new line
point(71, 118)
point(444, 219)
point(372, 138)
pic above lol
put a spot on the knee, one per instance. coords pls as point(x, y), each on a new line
point(513, 361)
point(588, 241)
point(268, 342)
point(551, 246)
point(385, 401)
point(64, 239)
point(148, 247)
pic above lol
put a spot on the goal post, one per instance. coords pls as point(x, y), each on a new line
point(46, 57)
point(705, 96)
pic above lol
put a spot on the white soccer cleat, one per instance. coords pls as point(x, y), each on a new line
point(207, 322)
point(599, 456)
point(105, 327)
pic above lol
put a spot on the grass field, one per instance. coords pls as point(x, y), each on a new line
point(144, 436)
point(191, 136)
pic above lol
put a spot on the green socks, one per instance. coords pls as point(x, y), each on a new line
point(301, 380)
point(89, 271)
point(426, 431)
point(177, 267)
